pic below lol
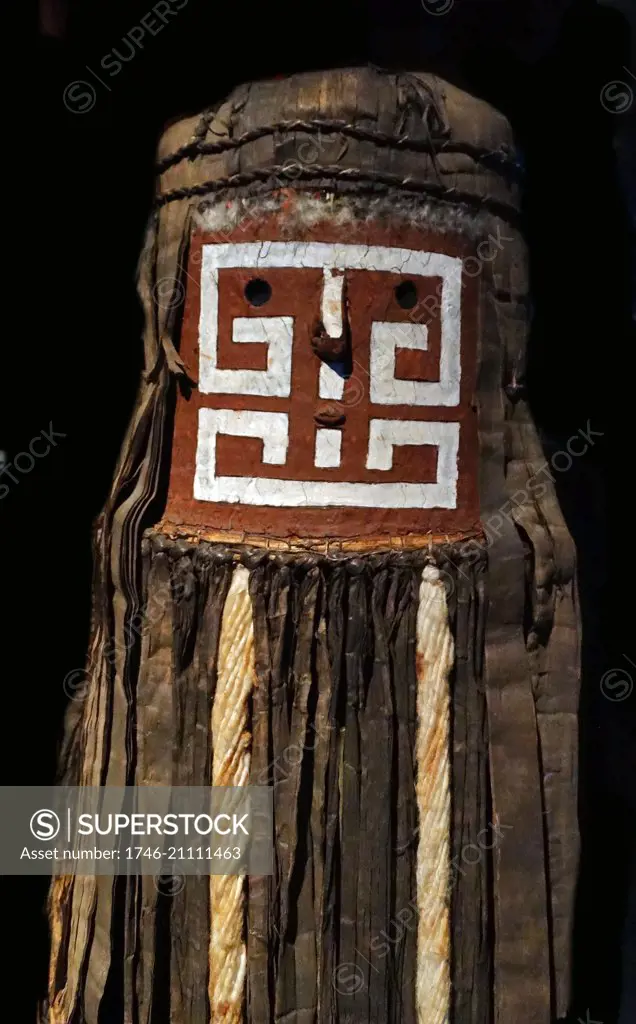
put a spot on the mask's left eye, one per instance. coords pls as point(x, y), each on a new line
point(406, 294)
point(258, 292)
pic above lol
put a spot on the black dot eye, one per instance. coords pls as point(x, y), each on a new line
point(406, 294)
point(258, 292)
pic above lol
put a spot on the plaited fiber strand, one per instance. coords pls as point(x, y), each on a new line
point(434, 660)
point(100, 746)
point(312, 616)
point(107, 932)
point(184, 600)
point(230, 767)
point(336, 713)
point(98, 741)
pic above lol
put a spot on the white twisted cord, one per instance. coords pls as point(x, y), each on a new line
point(230, 767)
point(434, 659)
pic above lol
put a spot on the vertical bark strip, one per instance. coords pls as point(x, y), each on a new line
point(403, 935)
point(473, 836)
point(155, 732)
point(199, 588)
point(331, 679)
point(352, 995)
point(260, 916)
point(318, 646)
point(553, 639)
point(521, 935)
point(295, 994)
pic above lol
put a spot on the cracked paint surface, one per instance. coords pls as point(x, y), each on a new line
point(399, 453)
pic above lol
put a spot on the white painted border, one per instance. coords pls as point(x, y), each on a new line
point(277, 332)
point(328, 451)
point(386, 389)
point(327, 256)
point(272, 427)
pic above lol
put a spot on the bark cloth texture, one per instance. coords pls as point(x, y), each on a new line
point(334, 634)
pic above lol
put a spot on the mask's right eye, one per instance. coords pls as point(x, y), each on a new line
point(258, 292)
point(406, 294)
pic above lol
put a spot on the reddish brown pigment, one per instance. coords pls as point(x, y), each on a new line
point(297, 292)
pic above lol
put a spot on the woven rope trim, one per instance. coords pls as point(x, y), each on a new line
point(373, 180)
point(500, 160)
point(434, 660)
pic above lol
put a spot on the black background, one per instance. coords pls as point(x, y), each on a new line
point(76, 358)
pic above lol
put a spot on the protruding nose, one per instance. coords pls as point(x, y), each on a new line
point(327, 348)
point(331, 340)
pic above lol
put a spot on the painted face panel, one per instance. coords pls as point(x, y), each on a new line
point(335, 385)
